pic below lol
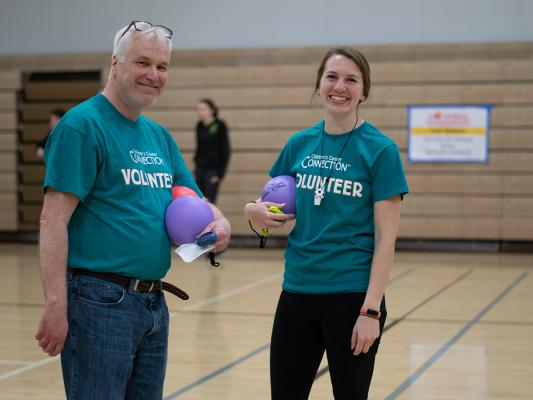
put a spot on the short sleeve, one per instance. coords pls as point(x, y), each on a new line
point(283, 164)
point(71, 162)
point(388, 177)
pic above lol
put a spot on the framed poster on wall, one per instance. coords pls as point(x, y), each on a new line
point(448, 134)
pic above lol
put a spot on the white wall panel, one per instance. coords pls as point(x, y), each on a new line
point(63, 26)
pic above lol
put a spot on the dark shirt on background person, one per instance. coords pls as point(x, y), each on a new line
point(212, 147)
point(212, 156)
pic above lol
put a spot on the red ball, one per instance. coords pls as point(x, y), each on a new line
point(179, 191)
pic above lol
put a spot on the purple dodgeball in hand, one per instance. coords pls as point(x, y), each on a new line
point(186, 217)
point(281, 189)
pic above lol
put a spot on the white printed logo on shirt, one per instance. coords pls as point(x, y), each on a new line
point(326, 162)
point(138, 177)
point(309, 181)
point(145, 157)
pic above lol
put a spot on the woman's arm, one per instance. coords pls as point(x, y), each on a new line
point(386, 222)
point(258, 214)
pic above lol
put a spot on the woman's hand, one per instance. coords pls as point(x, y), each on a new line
point(365, 331)
point(258, 214)
point(214, 179)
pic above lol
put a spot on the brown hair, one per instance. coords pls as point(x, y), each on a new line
point(356, 56)
point(211, 104)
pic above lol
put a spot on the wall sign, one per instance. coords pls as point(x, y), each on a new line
point(448, 134)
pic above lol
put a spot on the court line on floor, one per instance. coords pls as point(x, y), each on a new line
point(175, 313)
point(15, 362)
point(423, 303)
point(217, 372)
point(423, 368)
point(399, 276)
point(464, 321)
point(28, 367)
point(247, 356)
point(227, 294)
point(394, 322)
point(236, 313)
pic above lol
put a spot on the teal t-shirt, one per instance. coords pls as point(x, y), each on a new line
point(331, 247)
point(123, 172)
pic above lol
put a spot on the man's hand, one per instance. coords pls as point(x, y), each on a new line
point(222, 228)
point(53, 329)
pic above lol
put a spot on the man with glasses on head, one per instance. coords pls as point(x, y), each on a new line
point(103, 244)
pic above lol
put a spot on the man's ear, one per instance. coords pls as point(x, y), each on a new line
point(114, 64)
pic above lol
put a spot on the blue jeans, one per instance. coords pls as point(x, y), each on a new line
point(116, 346)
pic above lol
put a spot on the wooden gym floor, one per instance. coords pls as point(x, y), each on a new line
point(459, 327)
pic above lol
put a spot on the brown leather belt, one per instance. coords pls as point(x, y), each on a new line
point(140, 286)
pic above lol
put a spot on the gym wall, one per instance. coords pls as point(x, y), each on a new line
point(264, 96)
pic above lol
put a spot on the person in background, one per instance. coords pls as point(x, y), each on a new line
point(212, 149)
point(56, 115)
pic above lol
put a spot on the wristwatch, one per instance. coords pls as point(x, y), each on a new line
point(370, 312)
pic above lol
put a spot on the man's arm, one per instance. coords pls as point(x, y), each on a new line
point(221, 226)
point(53, 248)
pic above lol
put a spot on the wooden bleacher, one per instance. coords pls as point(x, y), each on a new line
point(447, 201)
point(10, 84)
point(41, 97)
point(264, 96)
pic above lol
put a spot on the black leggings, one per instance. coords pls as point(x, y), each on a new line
point(306, 325)
point(209, 190)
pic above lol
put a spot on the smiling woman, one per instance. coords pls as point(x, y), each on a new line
point(339, 254)
point(342, 82)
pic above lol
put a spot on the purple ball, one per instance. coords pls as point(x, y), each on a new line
point(186, 217)
point(281, 189)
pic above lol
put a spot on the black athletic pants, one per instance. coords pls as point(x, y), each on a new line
point(203, 176)
point(305, 326)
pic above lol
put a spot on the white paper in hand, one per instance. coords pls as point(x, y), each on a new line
point(191, 251)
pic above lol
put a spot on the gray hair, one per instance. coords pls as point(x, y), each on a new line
point(123, 44)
